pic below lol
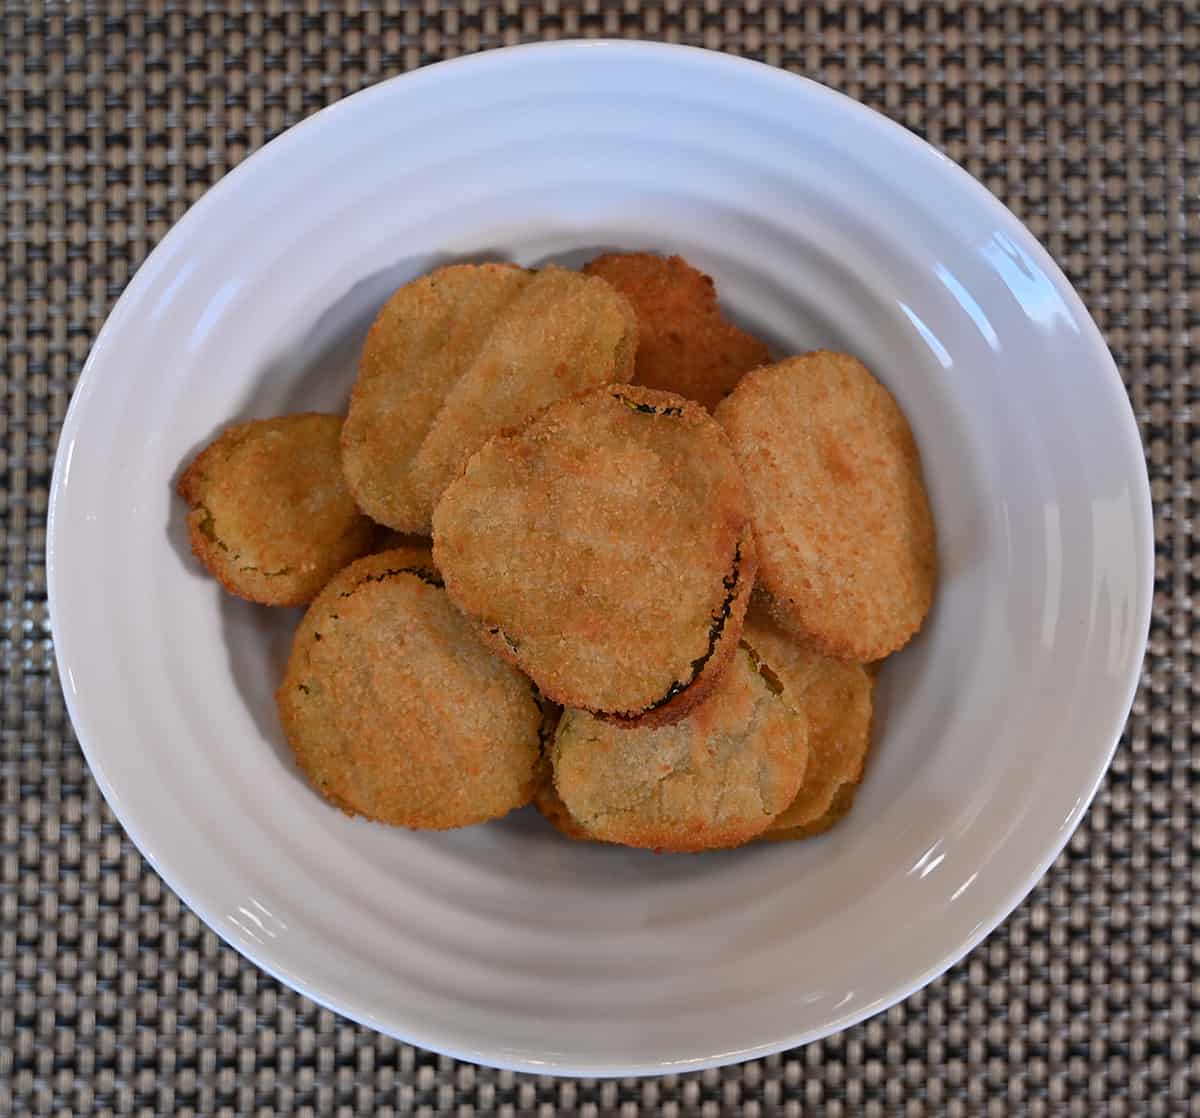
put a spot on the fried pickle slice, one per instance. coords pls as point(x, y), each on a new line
point(565, 333)
point(835, 697)
point(545, 795)
point(397, 712)
point(270, 515)
point(847, 549)
point(715, 779)
point(549, 804)
point(460, 354)
point(424, 338)
point(605, 550)
point(685, 344)
point(839, 808)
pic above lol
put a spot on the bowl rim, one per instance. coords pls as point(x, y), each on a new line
point(722, 64)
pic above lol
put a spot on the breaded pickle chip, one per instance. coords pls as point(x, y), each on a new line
point(846, 542)
point(545, 795)
point(460, 354)
point(605, 550)
point(548, 802)
point(714, 779)
point(422, 341)
point(397, 712)
point(839, 808)
point(564, 333)
point(270, 515)
point(685, 345)
point(836, 699)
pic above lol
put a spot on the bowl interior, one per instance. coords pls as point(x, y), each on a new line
point(823, 225)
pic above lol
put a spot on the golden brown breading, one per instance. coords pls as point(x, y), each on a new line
point(846, 541)
point(548, 802)
point(605, 550)
point(463, 353)
point(836, 699)
point(715, 779)
point(424, 338)
point(270, 515)
point(839, 808)
point(397, 712)
point(685, 345)
point(545, 795)
point(565, 333)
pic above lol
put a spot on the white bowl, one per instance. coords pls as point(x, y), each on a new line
point(823, 224)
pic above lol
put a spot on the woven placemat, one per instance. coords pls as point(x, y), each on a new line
point(1083, 117)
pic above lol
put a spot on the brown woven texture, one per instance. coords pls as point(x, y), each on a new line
point(1083, 117)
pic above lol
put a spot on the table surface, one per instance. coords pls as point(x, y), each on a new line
point(1083, 117)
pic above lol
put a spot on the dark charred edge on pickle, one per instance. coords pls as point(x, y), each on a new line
point(551, 713)
point(647, 409)
point(425, 574)
point(773, 682)
point(496, 631)
point(730, 583)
